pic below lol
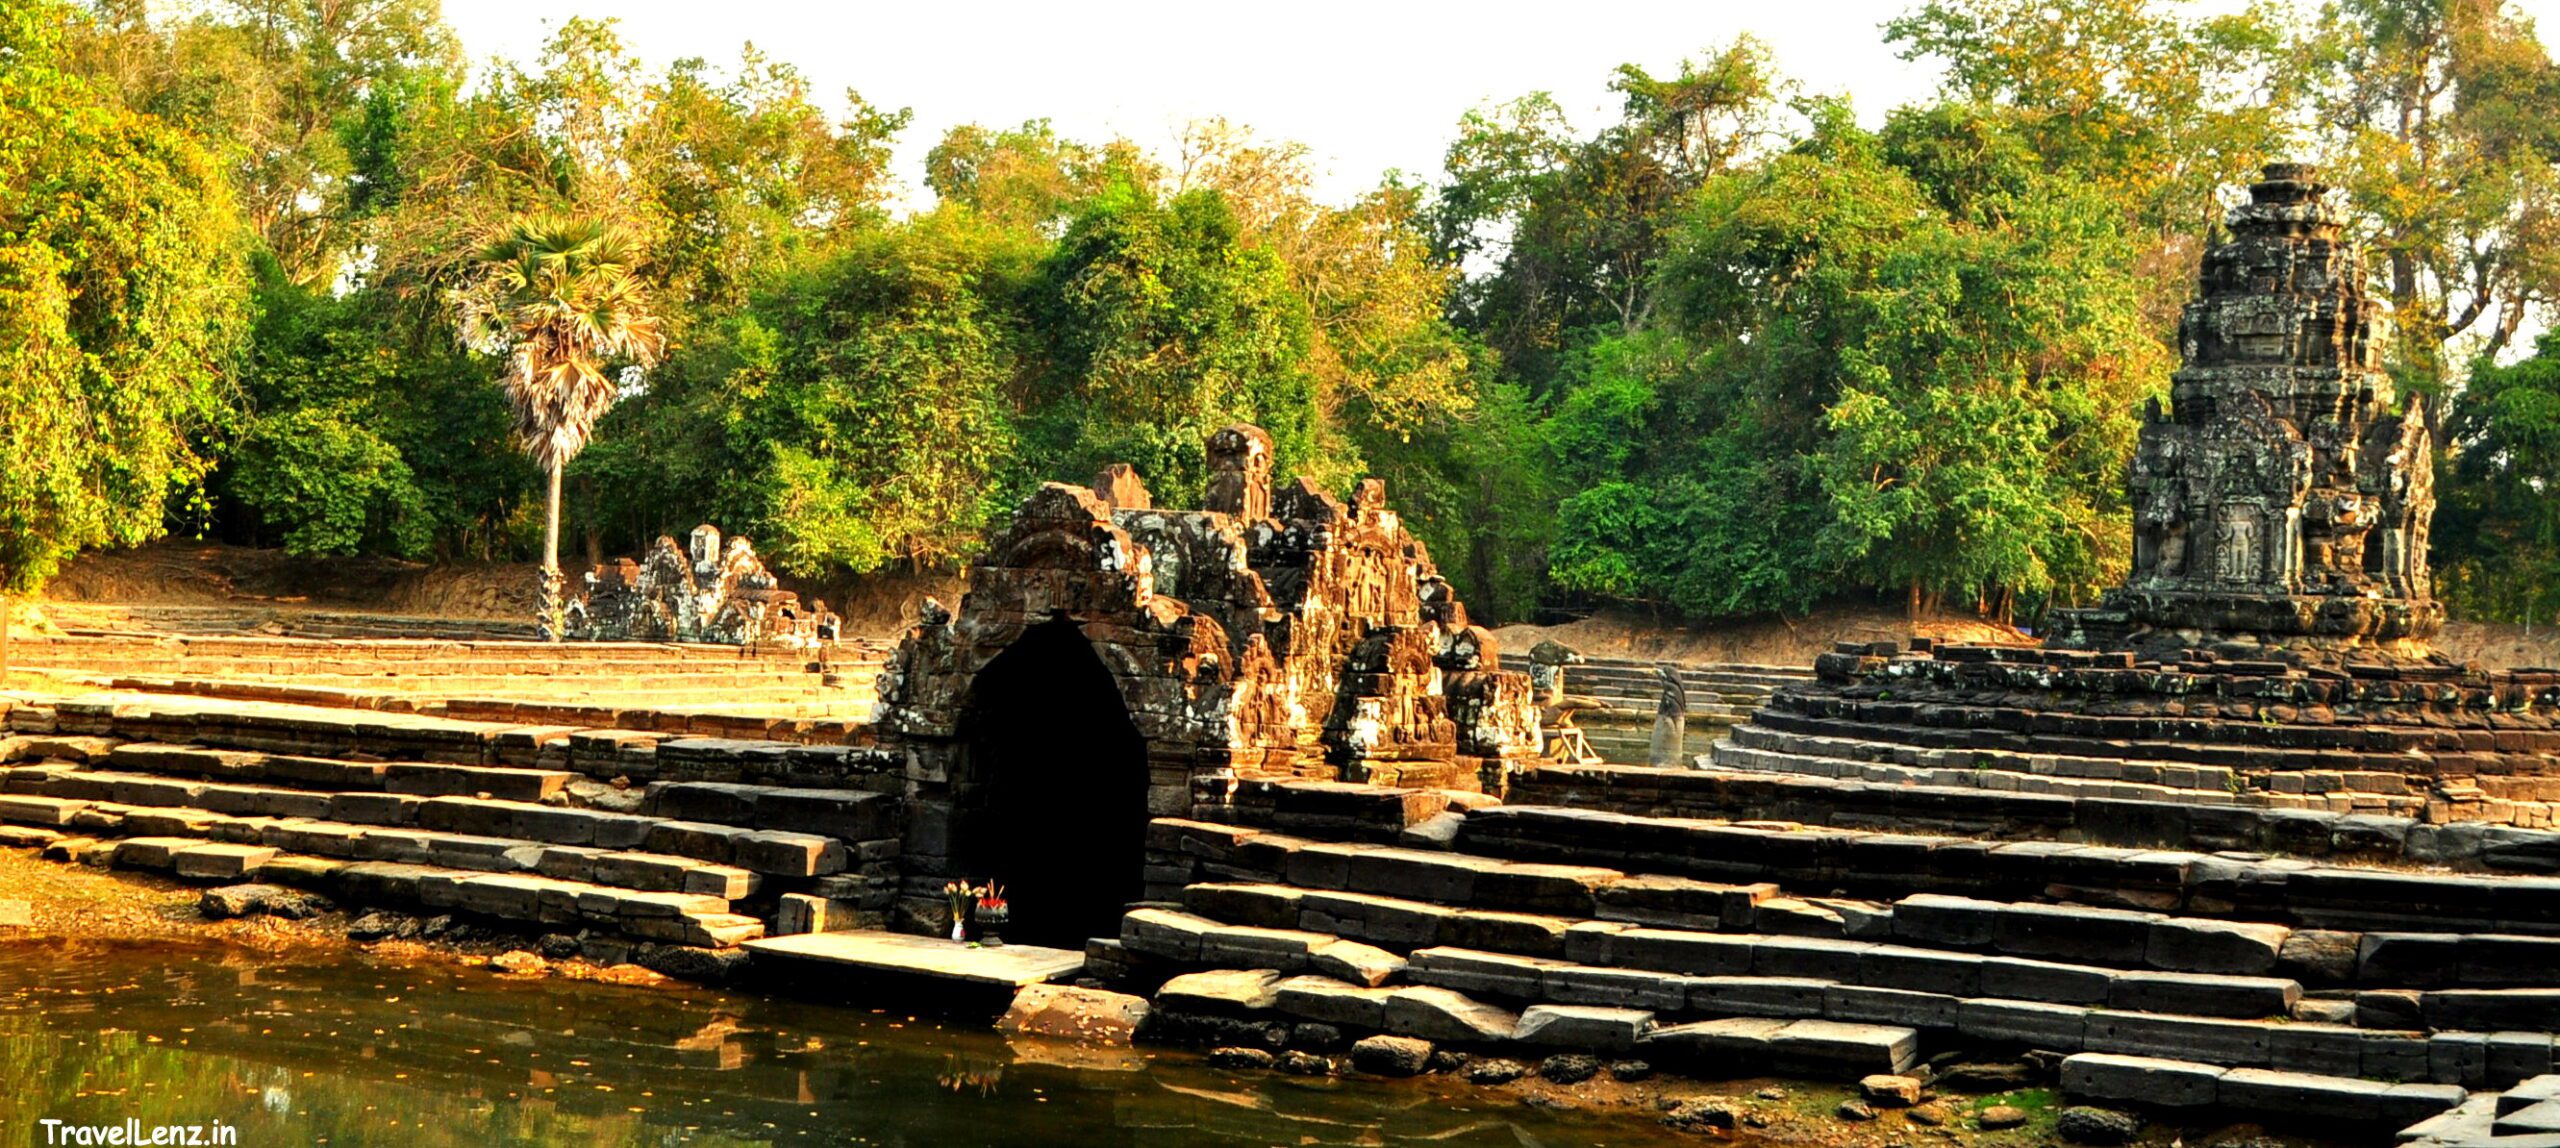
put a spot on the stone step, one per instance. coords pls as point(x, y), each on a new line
point(518, 898)
point(1343, 809)
point(2218, 915)
point(523, 735)
point(2243, 733)
point(432, 779)
point(847, 815)
point(1952, 767)
point(1895, 864)
point(1706, 795)
point(835, 719)
point(1736, 758)
point(346, 840)
point(2153, 1082)
point(1792, 988)
point(767, 851)
point(1805, 1047)
point(1911, 966)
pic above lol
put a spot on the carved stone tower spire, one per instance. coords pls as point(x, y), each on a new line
point(2283, 500)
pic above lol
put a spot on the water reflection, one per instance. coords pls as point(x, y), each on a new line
point(348, 1050)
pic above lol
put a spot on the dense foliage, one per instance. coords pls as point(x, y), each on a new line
point(123, 300)
point(1728, 352)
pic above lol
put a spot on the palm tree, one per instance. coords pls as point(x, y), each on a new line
point(563, 299)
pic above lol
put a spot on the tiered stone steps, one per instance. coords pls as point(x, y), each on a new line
point(2120, 814)
point(1720, 694)
point(651, 679)
point(96, 618)
point(723, 840)
point(2434, 742)
point(2167, 977)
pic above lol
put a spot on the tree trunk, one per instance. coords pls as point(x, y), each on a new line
point(551, 581)
point(8, 607)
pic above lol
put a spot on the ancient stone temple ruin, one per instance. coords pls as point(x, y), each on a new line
point(2284, 499)
point(715, 594)
point(2268, 649)
point(1114, 661)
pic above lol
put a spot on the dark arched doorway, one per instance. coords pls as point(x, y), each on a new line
point(1055, 798)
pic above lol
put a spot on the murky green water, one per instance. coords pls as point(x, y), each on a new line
point(343, 1049)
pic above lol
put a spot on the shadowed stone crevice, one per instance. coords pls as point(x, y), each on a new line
point(1052, 788)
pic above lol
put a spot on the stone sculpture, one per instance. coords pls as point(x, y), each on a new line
point(1670, 716)
point(2282, 499)
point(1559, 733)
point(705, 592)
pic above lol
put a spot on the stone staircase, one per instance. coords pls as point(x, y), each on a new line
point(618, 837)
point(95, 618)
point(659, 685)
point(1720, 695)
point(2316, 990)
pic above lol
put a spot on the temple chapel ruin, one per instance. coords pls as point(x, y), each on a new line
point(2285, 500)
point(1115, 661)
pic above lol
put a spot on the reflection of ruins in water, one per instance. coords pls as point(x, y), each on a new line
point(343, 1048)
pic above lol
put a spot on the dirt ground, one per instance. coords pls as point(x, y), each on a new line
point(183, 573)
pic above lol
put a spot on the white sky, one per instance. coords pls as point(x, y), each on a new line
point(1368, 86)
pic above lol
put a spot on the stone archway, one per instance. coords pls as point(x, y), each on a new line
point(1051, 797)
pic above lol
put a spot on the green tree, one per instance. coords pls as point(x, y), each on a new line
point(2497, 524)
point(122, 307)
point(278, 90)
point(1578, 224)
point(859, 412)
point(2440, 118)
point(355, 437)
point(1860, 381)
point(1160, 323)
point(2148, 104)
point(563, 299)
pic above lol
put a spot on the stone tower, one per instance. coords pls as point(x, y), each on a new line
point(2282, 502)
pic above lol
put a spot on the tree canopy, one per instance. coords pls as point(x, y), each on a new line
point(1729, 348)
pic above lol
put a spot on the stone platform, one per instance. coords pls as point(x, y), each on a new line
point(901, 954)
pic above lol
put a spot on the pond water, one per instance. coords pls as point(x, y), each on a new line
point(343, 1048)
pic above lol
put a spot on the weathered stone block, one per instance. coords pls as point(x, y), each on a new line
point(1583, 1027)
point(1633, 988)
point(2204, 994)
point(1833, 1050)
point(1224, 992)
point(2149, 1081)
point(1442, 1015)
point(1757, 996)
point(1716, 1044)
point(2018, 978)
point(1329, 1001)
point(220, 862)
point(2194, 945)
point(1868, 1005)
point(2056, 1027)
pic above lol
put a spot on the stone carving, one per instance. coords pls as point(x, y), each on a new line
point(1560, 734)
point(1670, 716)
point(704, 593)
point(2283, 498)
point(1239, 473)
